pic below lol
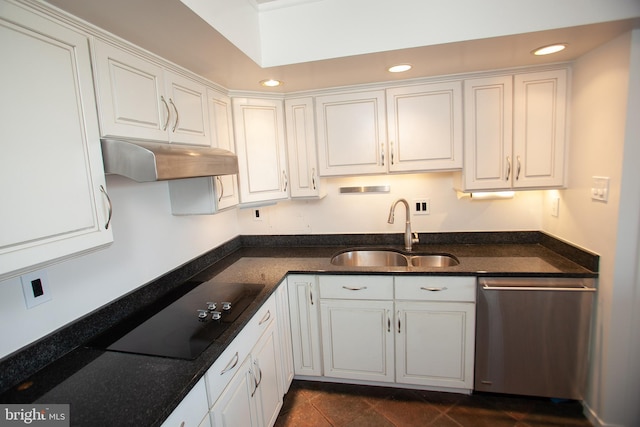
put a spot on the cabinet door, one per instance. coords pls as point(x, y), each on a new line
point(488, 162)
point(187, 99)
point(221, 123)
point(351, 133)
point(539, 129)
point(435, 344)
point(284, 332)
point(301, 148)
point(130, 90)
point(425, 127)
point(193, 410)
point(51, 164)
point(357, 339)
point(260, 144)
point(236, 406)
point(266, 368)
point(305, 332)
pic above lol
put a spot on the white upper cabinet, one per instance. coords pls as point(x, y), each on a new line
point(138, 98)
point(539, 129)
point(208, 195)
point(488, 132)
point(425, 127)
point(351, 133)
point(301, 148)
point(53, 195)
point(515, 131)
point(261, 149)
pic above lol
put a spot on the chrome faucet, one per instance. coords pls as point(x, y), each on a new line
point(409, 238)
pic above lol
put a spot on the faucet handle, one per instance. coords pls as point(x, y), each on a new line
point(415, 238)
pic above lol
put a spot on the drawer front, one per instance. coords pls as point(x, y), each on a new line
point(356, 287)
point(226, 366)
point(435, 288)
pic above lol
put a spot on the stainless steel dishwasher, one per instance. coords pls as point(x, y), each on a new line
point(532, 336)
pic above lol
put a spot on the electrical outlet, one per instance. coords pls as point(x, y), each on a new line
point(555, 206)
point(257, 215)
point(421, 206)
point(600, 188)
point(35, 287)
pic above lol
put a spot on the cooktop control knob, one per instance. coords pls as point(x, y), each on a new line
point(202, 314)
point(211, 306)
point(215, 315)
point(226, 306)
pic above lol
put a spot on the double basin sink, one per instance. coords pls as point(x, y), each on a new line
point(391, 258)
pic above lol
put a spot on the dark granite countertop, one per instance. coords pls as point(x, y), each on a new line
point(111, 388)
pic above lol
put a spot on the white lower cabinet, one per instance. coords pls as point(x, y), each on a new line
point(415, 330)
point(244, 385)
point(304, 314)
point(192, 411)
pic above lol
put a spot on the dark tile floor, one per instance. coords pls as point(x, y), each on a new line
point(326, 404)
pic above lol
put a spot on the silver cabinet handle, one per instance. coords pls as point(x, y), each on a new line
point(382, 154)
point(266, 317)
point(310, 294)
point(581, 288)
point(354, 289)
point(166, 122)
point(256, 381)
point(399, 330)
point(444, 288)
point(508, 168)
point(518, 170)
point(232, 364)
point(391, 152)
point(110, 211)
point(313, 178)
point(221, 188)
point(175, 124)
point(388, 321)
point(285, 180)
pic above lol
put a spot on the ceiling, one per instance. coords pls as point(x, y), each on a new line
point(171, 30)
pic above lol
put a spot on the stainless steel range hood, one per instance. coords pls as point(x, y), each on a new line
point(145, 161)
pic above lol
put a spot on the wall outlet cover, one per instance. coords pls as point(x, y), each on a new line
point(35, 286)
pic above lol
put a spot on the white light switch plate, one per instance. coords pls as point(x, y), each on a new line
point(600, 188)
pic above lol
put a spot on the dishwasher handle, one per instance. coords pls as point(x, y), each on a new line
point(582, 288)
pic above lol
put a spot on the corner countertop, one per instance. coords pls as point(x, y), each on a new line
point(111, 388)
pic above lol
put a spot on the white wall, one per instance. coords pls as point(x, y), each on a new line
point(148, 242)
point(601, 140)
point(368, 213)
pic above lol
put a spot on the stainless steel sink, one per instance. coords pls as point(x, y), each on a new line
point(434, 260)
point(370, 258)
point(391, 258)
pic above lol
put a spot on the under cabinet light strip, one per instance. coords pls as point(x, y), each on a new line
point(366, 189)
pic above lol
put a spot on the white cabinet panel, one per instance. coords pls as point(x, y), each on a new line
point(284, 332)
point(351, 133)
point(304, 312)
point(53, 203)
point(357, 339)
point(193, 411)
point(425, 127)
point(235, 407)
point(138, 98)
point(260, 144)
point(434, 344)
point(301, 148)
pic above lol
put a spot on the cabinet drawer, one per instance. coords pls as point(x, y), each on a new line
point(435, 288)
point(356, 287)
point(226, 366)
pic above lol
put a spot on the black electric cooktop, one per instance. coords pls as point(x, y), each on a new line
point(186, 327)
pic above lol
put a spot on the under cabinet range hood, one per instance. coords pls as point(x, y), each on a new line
point(145, 161)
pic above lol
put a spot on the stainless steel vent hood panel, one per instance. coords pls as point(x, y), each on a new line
point(145, 161)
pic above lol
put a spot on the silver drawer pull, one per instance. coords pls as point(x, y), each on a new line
point(444, 288)
point(265, 318)
point(354, 289)
point(232, 364)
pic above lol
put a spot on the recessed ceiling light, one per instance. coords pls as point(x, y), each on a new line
point(399, 68)
point(548, 50)
point(271, 83)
